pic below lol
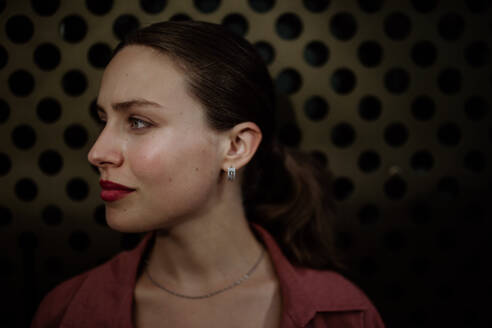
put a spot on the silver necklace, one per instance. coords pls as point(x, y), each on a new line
point(237, 282)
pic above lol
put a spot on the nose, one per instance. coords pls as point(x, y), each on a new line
point(106, 151)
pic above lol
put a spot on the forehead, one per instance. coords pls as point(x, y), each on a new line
point(141, 72)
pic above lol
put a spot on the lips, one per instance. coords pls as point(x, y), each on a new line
point(112, 191)
point(105, 184)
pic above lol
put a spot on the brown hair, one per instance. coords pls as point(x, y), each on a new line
point(284, 190)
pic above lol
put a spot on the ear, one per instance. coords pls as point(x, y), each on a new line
point(241, 144)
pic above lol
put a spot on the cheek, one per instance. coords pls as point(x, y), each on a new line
point(182, 162)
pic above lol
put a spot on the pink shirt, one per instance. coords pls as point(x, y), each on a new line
point(103, 296)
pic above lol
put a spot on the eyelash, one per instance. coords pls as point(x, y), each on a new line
point(131, 119)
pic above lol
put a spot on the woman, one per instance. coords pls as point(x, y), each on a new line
point(238, 227)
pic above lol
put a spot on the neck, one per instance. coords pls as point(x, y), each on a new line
point(205, 252)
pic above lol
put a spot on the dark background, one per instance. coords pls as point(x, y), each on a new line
point(394, 97)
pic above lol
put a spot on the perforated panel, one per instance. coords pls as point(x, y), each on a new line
point(393, 96)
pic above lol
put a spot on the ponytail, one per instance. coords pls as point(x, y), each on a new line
point(292, 199)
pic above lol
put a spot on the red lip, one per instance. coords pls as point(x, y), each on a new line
point(105, 184)
point(112, 191)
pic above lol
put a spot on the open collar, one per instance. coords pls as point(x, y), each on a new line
point(110, 289)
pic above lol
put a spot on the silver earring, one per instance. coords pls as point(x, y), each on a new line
point(231, 173)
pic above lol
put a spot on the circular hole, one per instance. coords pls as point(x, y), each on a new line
point(24, 136)
point(451, 26)
point(370, 53)
point(99, 7)
point(47, 56)
point(266, 51)
point(28, 240)
point(26, 189)
point(52, 215)
point(75, 136)
point(180, 17)
point(5, 216)
point(370, 108)
point(448, 189)
point(316, 6)
point(478, 6)
point(368, 267)
point(369, 161)
point(124, 25)
point(206, 6)
point(261, 6)
point(129, 241)
point(49, 110)
point(236, 23)
point(420, 265)
point(475, 161)
point(99, 55)
point(395, 187)
point(316, 53)
point(343, 135)
point(290, 135)
point(477, 54)
point(320, 158)
point(77, 189)
point(73, 28)
point(74, 83)
point(50, 162)
point(4, 111)
point(476, 108)
point(368, 214)
point(449, 81)
point(45, 7)
point(424, 6)
point(423, 108)
point(288, 26)
point(446, 239)
point(449, 134)
point(153, 6)
point(288, 81)
point(424, 53)
point(370, 6)
point(4, 57)
point(397, 26)
point(396, 134)
point(420, 212)
point(316, 108)
point(21, 83)
point(343, 81)
point(343, 188)
point(100, 215)
point(343, 26)
point(53, 266)
point(343, 241)
point(5, 164)
point(19, 29)
point(79, 241)
point(395, 240)
point(422, 161)
point(396, 80)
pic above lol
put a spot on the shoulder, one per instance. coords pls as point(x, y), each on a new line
point(336, 297)
point(56, 302)
point(332, 289)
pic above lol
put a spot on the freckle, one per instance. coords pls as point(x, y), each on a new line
point(170, 179)
point(197, 169)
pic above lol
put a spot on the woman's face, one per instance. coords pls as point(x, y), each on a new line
point(156, 141)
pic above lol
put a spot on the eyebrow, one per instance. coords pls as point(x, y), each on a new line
point(125, 105)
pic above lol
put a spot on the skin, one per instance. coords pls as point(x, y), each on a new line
point(177, 165)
